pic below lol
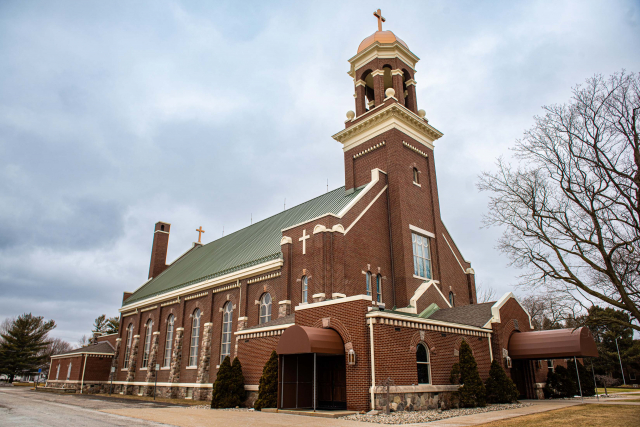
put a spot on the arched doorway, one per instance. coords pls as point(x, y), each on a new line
point(312, 372)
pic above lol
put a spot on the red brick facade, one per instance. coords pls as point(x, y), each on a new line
point(370, 237)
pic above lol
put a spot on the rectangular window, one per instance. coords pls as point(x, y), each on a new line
point(550, 364)
point(58, 371)
point(69, 371)
point(421, 256)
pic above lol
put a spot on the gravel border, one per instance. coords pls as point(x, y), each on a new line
point(411, 417)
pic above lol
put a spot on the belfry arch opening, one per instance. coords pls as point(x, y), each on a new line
point(369, 92)
point(311, 369)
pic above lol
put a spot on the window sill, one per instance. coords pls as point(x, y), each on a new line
point(191, 367)
point(144, 369)
point(124, 369)
point(420, 277)
point(416, 184)
point(165, 368)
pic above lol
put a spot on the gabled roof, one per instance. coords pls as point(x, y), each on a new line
point(103, 347)
point(472, 314)
point(247, 247)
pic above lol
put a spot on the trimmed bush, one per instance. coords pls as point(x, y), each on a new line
point(586, 379)
point(500, 388)
point(268, 390)
point(560, 383)
point(228, 389)
point(472, 392)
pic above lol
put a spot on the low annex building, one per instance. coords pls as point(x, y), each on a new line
point(358, 287)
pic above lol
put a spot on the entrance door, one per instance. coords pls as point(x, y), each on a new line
point(332, 382)
point(518, 375)
point(297, 376)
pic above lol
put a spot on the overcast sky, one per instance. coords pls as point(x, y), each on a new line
point(115, 115)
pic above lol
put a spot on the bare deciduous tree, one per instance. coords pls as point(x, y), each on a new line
point(570, 202)
point(485, 294)
point(548, 310)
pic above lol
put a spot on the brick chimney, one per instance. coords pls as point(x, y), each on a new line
point(159, 249)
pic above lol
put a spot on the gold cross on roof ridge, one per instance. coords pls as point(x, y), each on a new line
point(200, 231)
point(378, 14)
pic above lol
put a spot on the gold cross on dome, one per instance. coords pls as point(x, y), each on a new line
point(381, 19)
point(200, 231)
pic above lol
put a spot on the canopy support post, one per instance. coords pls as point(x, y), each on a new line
point(575, 362)
point(594, 380)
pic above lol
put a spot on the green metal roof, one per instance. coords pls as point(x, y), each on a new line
point(249, 246)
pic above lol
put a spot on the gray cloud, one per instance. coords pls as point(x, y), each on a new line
point(116, 115)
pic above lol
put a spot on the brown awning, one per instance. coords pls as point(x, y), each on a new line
point(302, 339)
point(552, 344)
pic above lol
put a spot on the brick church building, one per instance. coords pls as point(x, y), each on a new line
point(356, 287)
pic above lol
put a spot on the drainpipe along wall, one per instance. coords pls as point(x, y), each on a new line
point(373, 365)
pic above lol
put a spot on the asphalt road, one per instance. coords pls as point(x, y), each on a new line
point(20, 406)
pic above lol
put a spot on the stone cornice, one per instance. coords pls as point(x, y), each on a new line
point(383, 50)
point(392, 116)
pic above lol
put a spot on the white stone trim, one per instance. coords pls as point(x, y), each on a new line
point(377, 72)
point(198, 295)
point(382, 50)
point(393, 116)
point(338, 295)
point(410, 82)
point(411, 147)
point(394, 319)
point(221, 280)
point(333, 301)
point(320, 295)
point(195, 385)
point(252, 387)
point(266, 329)
point(338, 228)
point(424, 287)
point(418, 388)
point(368, 150)
point(175, 301)
point(375, 177)
point(364, 211)
point(285, 240)
point(266, 277)
point(83, 353)
point(454, 254)
point(319, 229)
point(422, 231)
point(495, 309)
point(192, 367)
point(360, 83)
point(286, 301)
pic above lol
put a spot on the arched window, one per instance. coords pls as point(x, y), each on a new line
point(387, 79)
point(127, 349)
point(195, 338)
point(305, 288)
point(147, 343)
point(168, 346)
point(451, 298)
point(265, 308)
point(369, 92)
point(379, 288)
point(416, 176)
point(227, 319)
point(424, 366)
point(369, 283)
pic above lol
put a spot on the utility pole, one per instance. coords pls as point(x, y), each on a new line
point(620, 359)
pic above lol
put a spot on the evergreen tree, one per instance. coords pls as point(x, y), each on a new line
point(560, 383)
point(268, 390)
point(586, 379)
point(23, 346)
point(237, 382)
point(223, 387)
point(472, 392)
point(500, 388)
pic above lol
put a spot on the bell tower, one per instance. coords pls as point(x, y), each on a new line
point(388, 132)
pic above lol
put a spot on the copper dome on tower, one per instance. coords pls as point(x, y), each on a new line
point(386, 37)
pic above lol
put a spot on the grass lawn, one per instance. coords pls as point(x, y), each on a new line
point(618, 389)
point(581, 415)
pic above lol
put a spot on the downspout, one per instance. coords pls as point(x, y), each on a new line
point(393, 272)
point(83, 369)
point(373, 366)
point(490, 349)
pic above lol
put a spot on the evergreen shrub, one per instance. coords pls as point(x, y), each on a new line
point(268, 390)
point(472, 392)
point(500, 388)
point(228, 389)
point(560, 383)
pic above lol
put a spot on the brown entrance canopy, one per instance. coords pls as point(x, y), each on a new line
point(302, 339)
point(552, 344)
